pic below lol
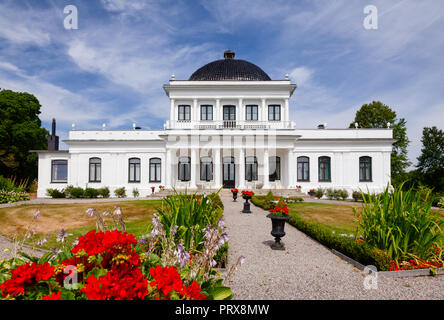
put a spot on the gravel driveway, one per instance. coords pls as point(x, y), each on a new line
point(306, 269)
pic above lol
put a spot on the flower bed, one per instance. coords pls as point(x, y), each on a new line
point(12, 196)
point(114, 265)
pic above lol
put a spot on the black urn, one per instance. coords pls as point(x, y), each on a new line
point(234, 195)
point(277, 230)
point(246, 205)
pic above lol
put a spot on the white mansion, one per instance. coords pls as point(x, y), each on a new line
point(229, 126)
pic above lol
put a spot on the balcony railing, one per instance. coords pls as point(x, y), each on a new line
point(228, 124)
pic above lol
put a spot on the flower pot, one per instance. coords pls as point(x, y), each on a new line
point(246, 205)
point(234, 195)
point(311, 193)
point(277, 230)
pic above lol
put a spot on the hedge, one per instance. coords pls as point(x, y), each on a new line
point(358, 251)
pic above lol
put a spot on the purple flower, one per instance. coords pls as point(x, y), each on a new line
point(181, 254)
point(37, 214)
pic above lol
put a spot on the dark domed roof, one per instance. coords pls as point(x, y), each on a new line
point(229, 69)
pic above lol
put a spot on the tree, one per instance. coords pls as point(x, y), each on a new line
point(378, 115)
point(20, 131)
point(431, 161)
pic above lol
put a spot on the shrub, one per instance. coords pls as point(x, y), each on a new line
point(120, 192)
point(319, 193)
point(91, 193)
point(343, 193)
point(269, 196)
point(104, 192)
point(400, 222)
point(12, 196)
point(135, 193)
point(330, 193)
point(361, 252)
point(76, 192)
point(337, 194)
point(54, 193)
point(357, 195)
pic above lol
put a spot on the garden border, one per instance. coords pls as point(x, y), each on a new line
point(391, 274)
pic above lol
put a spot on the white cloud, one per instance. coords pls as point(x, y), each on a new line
point(301, 75)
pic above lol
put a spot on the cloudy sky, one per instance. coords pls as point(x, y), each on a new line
point(112, 68)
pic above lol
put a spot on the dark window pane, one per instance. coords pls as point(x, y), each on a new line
point(59, 171)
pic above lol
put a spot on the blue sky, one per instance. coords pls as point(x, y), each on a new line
point(112, 68)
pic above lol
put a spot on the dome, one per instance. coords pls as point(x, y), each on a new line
point(229, 69)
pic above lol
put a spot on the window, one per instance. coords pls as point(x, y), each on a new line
point(365, 169)
point(250, 168)
point(303, 169)
point(155, 169)
point(59, 171)
point(251, 113)
point(274, 112)
point(206, 112)
point(324, 169)
point(95, 169)
point(185, 113)
point(184, 169)
point(274, 165)
point(134, 170)
point(206, 169)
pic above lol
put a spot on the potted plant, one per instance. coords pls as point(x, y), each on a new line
point(152, 190)
point(312, 192)
point(234, 192)
point(278, 215)
point(247, 196)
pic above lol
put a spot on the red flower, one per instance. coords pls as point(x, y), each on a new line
point(117, 284)
point(166, 279)
point(53, 296)
point(25, 276)
point(193, 292)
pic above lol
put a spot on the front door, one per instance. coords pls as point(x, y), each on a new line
point(228, 172)
point(229, 117)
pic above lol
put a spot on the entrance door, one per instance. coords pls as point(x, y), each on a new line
point(229, 116)
point(228, 172)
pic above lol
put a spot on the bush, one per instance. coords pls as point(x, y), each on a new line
point(330, 193)
point(120, 192)
point(343, 193)
point(402, 223)
point(337, 194)
point(361, 252)
point(319, 193)
point(91, 193)
point(76, 192)
point(12, 196)
point(135, 193)
point(357, 195)
point(54, 193)
point(104, 192)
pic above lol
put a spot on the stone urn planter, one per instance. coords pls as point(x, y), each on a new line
point(278, 216)
point(247, 196)
point(234, 192)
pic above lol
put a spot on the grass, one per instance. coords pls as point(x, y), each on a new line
point(15, 221)
point(337, 217)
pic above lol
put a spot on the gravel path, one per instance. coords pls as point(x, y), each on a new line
point(306, 269)
point(9, 249)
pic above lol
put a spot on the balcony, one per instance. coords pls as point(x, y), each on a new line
point(228, 125)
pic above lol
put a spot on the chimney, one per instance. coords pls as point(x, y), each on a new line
point(228, 54)
point(53, 140)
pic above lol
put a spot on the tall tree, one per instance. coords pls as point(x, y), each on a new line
point(431, 161)
point(20, 131)
point(378, 115)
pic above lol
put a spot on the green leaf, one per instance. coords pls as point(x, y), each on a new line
point(220, 293)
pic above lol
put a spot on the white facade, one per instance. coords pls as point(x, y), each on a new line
point(246, 119)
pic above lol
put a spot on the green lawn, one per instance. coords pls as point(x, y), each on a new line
point(337, 217)
point(16, 221)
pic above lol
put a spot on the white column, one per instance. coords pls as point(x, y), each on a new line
point(195, 114)
point(266, 170)
point(241, 111)
point(168, 169)
point(217, 168)
point(287, 111)
point(217, 112)
point(241, 169)
point(289, 168)
point(172, 113)
point(264, 110)
point(194, 164)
